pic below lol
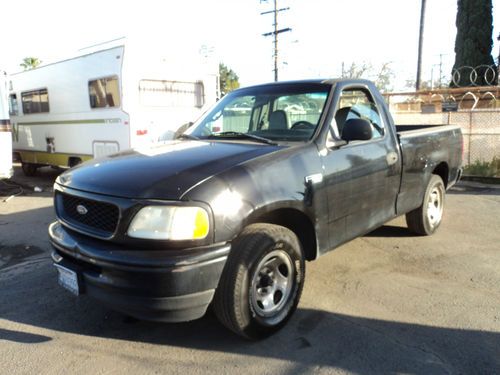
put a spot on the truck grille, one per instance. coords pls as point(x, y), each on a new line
point(94, 217)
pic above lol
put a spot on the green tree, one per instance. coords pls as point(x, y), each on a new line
point(228, 79)
point(474, 41)
point(30, 63)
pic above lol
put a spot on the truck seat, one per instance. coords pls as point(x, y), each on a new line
point(278, 120)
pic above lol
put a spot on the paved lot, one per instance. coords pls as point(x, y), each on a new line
point(385, 303)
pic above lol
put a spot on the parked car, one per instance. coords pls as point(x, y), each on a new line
point(230, 218)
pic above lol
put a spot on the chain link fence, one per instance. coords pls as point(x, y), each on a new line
point(480, 129)
point(475, 110)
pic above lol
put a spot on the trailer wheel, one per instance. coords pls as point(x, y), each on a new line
point(426, 219)
point(262, 281)
point(29, 169)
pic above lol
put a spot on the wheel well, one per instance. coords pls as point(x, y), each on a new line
point(74, 160)
point(442, 171)
point(298, 223)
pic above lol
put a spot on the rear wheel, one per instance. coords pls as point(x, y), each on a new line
point(262, 281)
point(426, 219)
point(29, 169)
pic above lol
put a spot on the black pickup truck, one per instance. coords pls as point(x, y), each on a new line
point(228, 213)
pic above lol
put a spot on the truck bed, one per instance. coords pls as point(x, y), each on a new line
point(422, 148)
point(406, 128)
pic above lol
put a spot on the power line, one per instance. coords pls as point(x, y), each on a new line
point(275, 33)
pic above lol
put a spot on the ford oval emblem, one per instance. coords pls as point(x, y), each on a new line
point(82, 210)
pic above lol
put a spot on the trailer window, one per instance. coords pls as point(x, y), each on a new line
point(156, 93)
point(13, 107)
point(104, 92)
point(36, 101)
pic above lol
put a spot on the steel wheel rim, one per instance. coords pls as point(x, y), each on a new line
point(272, 283)
point(435, 206)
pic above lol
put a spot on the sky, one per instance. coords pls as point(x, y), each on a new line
point(325, 33)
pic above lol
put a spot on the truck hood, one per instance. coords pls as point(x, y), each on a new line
point(164, 171)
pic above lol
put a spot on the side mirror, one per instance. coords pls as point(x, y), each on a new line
point(357, 129)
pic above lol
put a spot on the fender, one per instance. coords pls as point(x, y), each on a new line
point(246, 194)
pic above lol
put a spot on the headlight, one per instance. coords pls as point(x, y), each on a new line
point(170, 223)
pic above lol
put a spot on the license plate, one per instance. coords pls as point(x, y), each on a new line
point(68, 279)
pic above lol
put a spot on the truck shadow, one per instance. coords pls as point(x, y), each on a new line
point(22, 337)
point(391, 231)
point(312, 339)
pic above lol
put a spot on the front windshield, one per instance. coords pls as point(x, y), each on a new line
point(278, 113)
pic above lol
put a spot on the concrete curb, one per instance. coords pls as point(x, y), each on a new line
point(481, 179)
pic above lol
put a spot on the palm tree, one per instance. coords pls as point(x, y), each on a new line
point(30, 63)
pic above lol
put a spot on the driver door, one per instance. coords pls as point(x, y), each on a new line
point(361, 179)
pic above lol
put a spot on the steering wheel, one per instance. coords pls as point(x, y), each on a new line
point(303, 125)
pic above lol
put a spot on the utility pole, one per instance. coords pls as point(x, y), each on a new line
point(275, 34)
point(420, 46)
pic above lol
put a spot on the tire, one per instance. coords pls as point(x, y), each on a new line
point(29, 169)
point(262, 281)
point(425, 219)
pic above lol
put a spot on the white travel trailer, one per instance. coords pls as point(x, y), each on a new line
point(5, 131)
point(103, 102)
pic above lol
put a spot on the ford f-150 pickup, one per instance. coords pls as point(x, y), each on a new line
point(227, 213)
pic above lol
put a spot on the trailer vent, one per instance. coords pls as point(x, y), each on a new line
point(89, 216)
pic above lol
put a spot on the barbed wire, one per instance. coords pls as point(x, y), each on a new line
point(486, 74)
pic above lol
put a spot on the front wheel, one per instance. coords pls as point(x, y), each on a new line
point(426, 219)
point(262, 281)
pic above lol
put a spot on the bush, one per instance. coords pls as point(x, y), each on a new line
point(484, 168)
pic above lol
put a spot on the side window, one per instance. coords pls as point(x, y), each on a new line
point(13, 106)
point(104, 93)
point(36, 101)
point(358, 103)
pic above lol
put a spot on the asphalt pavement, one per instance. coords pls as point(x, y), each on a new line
point(388, 302)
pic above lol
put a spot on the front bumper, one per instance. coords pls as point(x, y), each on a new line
point(160, 285)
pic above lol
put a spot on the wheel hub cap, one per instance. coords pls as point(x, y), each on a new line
point(435, 207)
point(271, 283)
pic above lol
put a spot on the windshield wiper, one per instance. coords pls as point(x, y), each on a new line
point(244, 135)
point(187, 136)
